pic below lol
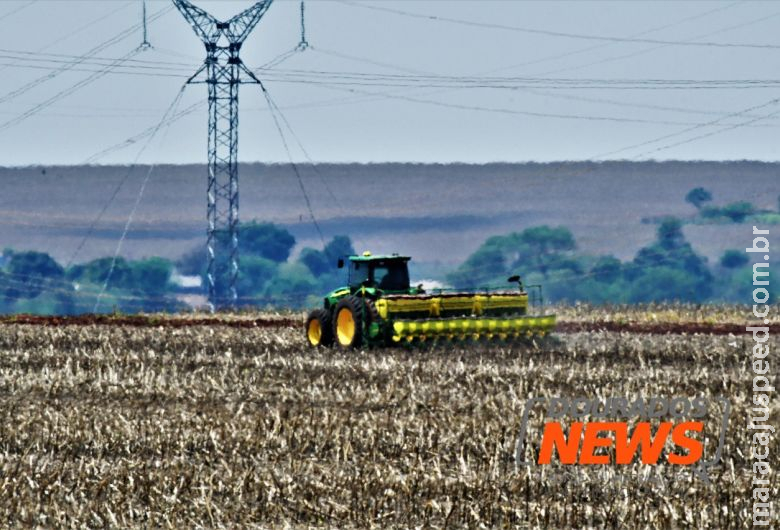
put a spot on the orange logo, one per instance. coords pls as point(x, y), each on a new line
point(589, 443)
point(621, 430)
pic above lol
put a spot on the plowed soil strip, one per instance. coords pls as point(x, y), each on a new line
point(723, 328)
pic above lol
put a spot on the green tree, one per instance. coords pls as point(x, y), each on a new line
point(607, 269)
point(540, 249)
point(291, 286)
point(738, 211)
point(30, 273)
point(670, 235)
point(482, 267)
point(666, 284)
point(253, 277)
point(710, 212)
point(698, 196)
point(265, 240)
point(317, 261)
point(733, 259)
point(692, 279)
point(150, 276)
point(51, 302)
point(544, 249)
point(324, 262)
point(338, 247)
point(192, 262)
point(96, 272)
point(142, 285)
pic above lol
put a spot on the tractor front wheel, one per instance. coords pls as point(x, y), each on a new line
point(348, 323)
point(319, 330)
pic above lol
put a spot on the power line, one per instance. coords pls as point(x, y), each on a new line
point(118, 70)
point(165, 69)
point(56, 58)
point(281, 58)
point(698, 126)
point(383, 64)
point(362, 79)
point(471, 82)
point(70, 65)
point(130, 217)
point(712, 133)
point(606, 44)
point(305, 153)
point(501, 81)
point(98, 113)
point(77, 30)
point(197, 105)
point(410, 76)
point(563, 96)
point(648, 50)
point(509, 111)
point(274, 109)
point(140, 136)
point(62, 94)
point(189, 110)
point(551, 33)
point(369, 61)
point(50, 285)
point(16, 10)
point(533, 91)
point(164, 121)
point(605, 101)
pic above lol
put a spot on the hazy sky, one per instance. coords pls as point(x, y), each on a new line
point(371, 121)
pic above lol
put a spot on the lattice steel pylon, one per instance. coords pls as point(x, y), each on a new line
point(223, 69)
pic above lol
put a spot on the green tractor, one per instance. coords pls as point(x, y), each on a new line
point(380, 307)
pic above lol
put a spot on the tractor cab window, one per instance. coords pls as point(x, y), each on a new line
point(358, 273)
point(391, 276)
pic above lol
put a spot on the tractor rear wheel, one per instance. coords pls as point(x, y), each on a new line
point(319, 329)
point(348, 321)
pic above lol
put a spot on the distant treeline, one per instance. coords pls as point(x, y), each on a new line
point(666, 270)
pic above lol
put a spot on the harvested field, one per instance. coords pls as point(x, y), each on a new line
point(678, 319)
point(146, 321)
point(112, 424)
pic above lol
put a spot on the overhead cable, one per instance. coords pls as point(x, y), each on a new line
point(552, 33)
point(138, 198)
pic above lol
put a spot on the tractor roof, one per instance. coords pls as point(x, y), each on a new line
point(367, 256)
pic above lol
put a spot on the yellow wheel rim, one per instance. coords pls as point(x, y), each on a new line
point(345, 327)
point(314, 332)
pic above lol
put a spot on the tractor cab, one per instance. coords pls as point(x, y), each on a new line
point(385, 273)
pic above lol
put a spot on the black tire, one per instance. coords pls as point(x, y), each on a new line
point(348, 319)
point(319, 320)
point(372, 315)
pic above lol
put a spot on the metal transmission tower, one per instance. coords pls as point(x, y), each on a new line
point(222, 69)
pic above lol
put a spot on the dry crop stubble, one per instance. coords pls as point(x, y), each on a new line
point(223, 427)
